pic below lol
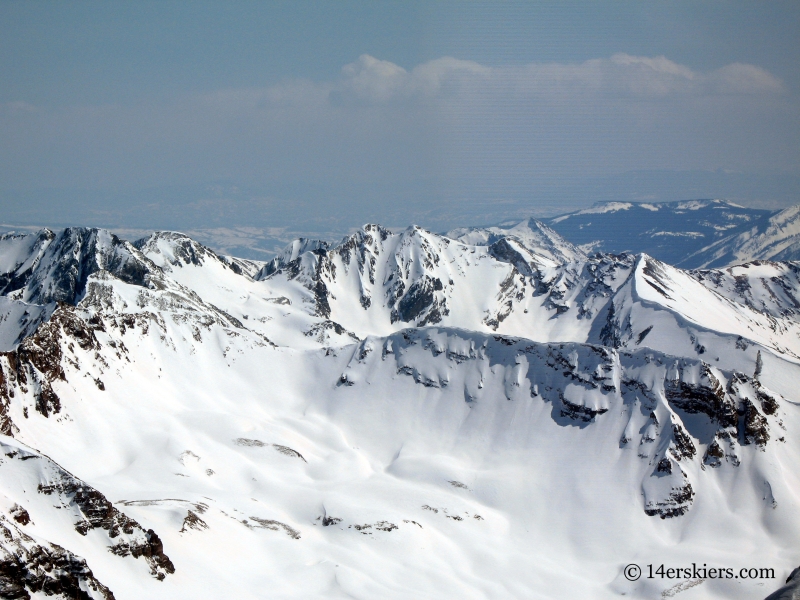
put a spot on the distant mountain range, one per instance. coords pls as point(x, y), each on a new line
point(688, 234)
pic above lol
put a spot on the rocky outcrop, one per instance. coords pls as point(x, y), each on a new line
point(89, 508)
point(30, 566)
point(420, 304)
point(97, 512)
point(732, 407)
point(37, 362)
point(583, 383)
point(59, 266)
point(152, 549)
point(706, 396)
point(676, 503)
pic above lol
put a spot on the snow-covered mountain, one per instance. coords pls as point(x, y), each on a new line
point(689, 234)
point(487, 414)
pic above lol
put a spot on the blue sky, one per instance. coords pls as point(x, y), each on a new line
point(176, 114)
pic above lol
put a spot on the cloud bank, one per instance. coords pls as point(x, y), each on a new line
point(448, 126)
point(372, 80)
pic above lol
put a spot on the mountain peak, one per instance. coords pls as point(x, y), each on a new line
point(403, 390)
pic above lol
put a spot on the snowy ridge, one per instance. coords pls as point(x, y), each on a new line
point(707, 313)
point(58, 266)
point(376, 282)
point(535, 238)
point(472, 412)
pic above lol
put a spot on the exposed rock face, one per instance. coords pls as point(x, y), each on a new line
point(420, 304)
point(511, 290)
point(682, 445)
point(755, 428)
point(193, 521)
point(583, 383)
point(321, 331)
point(29, 566)
point(152, 549)
point(409, 289)
point(89, 509)
point(676, 503)
point(271, 524)
point(714, 454)
point(577, 412)
point(732, 407)
point(37, 362)
point(59, 265)
point(707, 396)
point(98, 512)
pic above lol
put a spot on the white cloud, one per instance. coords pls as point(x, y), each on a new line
point(738, 78)
point(370, 79)
point(445, 118)
point(373, 79)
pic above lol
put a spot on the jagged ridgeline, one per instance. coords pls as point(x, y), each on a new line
point(178, 424)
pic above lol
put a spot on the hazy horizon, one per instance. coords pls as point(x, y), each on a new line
point(319, 118)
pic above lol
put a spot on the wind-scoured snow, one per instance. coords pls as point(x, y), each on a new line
point(488, 414)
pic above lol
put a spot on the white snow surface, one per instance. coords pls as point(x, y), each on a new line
point(488, 414)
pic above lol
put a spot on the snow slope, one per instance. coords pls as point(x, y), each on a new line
point(401, 415)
